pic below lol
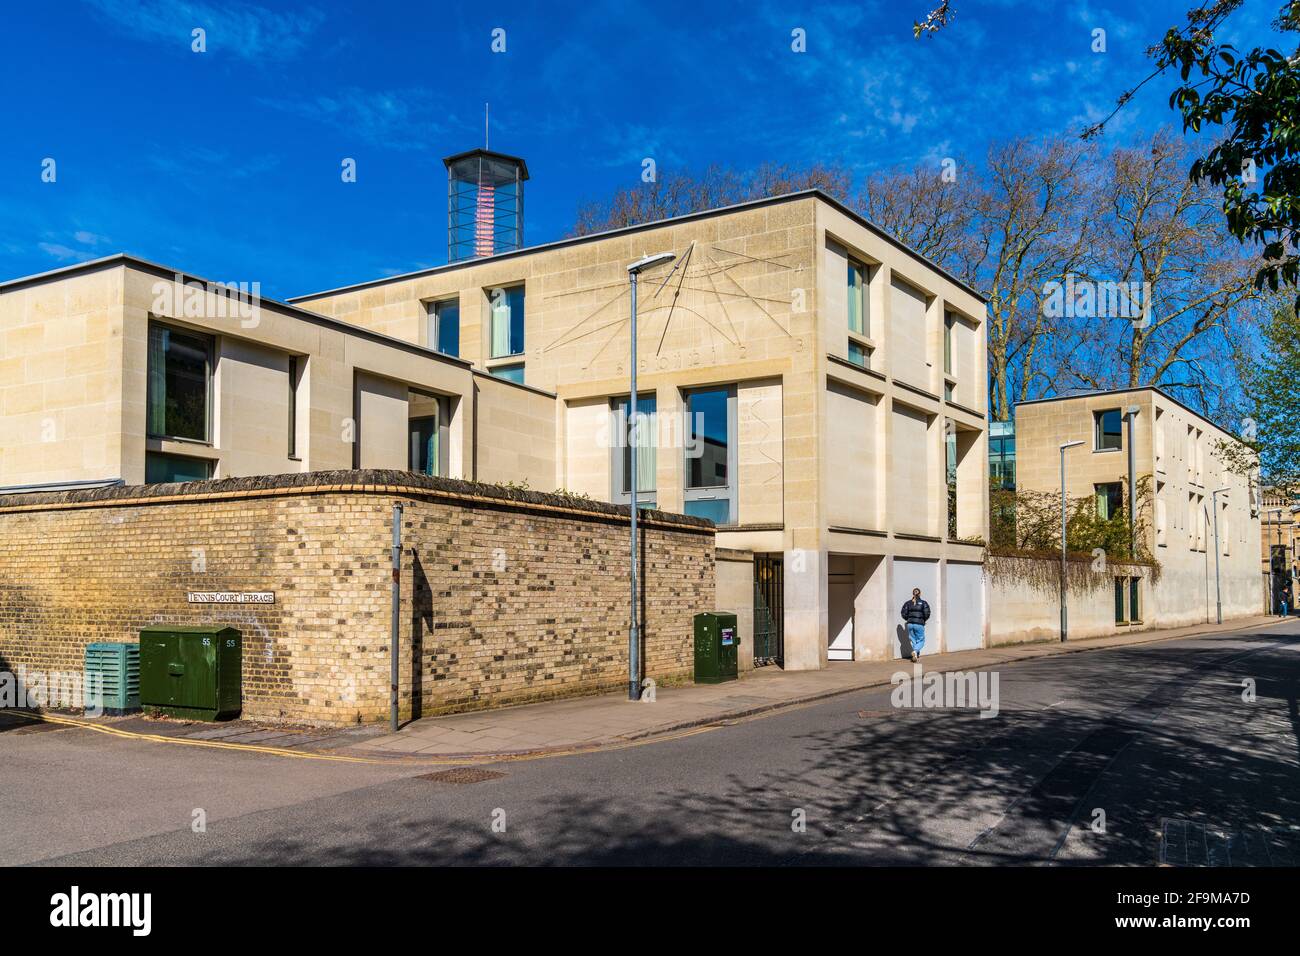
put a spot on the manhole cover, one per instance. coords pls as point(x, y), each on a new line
point(461, 775)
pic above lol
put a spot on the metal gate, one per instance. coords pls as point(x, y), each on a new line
point(769, 610)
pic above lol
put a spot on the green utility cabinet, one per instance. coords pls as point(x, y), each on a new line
point(716, 641)
point(191, 672)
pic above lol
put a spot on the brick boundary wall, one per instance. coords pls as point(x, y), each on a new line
point(506, 596)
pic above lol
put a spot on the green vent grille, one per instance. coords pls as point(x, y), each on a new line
point(113, 677)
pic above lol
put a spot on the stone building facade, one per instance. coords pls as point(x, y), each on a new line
point(1175, 453)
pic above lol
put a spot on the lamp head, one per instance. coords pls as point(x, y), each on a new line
point(649, 262)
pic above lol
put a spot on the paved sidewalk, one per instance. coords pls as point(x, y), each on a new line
point(590, 722)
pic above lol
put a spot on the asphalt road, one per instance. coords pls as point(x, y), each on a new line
point(1105, 757)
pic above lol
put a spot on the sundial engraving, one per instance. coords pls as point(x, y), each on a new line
point(706, 308)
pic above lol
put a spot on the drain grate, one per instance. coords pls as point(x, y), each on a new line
point(1188, 843)
point(461, 775)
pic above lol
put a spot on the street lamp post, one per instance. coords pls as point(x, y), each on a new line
point(634, 628)
point(1065, 617)
point(1218, 594)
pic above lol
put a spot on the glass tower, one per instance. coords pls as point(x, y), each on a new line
point(485, 204)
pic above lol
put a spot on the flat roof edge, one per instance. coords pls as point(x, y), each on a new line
point(144, 265)
point(1128, 390)
point(658, 223)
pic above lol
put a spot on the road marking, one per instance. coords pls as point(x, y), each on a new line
point(405, 760)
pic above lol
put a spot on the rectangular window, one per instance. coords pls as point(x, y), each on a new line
point(1121, 604)
point(1134, 608)
point(857, 296)
point(293, 406)
point(179, 384)
point(444, 326)
point(160, 468)
point(859, 354)
point(1108, 428)
point(641, 430)
point(711, 454)
point(507, 306)
point(511, 373)
point(1110, 499)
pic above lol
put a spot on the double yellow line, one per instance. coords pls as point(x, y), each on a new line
point(341, 758)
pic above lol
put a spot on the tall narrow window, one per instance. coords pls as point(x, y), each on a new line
point(293, 406)
point(948, 320)
point(641, 430)
point(711, 455)
point(444, 327)
point(507, 307)
point(857, 295)
point(179, 384)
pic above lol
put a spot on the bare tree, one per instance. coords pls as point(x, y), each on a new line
point(1006, 229)
point(678, 194)
point(1163, 237)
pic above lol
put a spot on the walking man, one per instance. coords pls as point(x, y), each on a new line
point(915, 613)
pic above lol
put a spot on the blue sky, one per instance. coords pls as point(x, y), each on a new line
point(227, 163)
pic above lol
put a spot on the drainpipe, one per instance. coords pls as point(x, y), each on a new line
point(397, 602)
point(1132, 484)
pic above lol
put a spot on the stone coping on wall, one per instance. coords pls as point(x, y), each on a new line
point(353, 481)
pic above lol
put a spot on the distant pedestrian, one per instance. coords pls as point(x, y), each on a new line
point(915, 613)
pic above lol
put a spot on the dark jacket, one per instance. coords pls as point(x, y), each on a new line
point(916, 612)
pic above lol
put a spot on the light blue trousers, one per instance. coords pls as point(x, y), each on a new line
point(916, 636)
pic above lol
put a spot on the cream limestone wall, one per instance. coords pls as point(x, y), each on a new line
point(382, 418)
point(251, 417)
point(910, 467)
point(586, 465)
point(759, 433)
point(516, 429)
point(61, 379)
point(735, 595)
point(1177, 449)
point(909, 339)
point(852, 427)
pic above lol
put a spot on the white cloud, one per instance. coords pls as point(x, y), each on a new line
point(402, 119)
point(64, 253)
point(243, 30)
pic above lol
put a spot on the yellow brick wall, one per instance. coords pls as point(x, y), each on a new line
point(502, 600)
